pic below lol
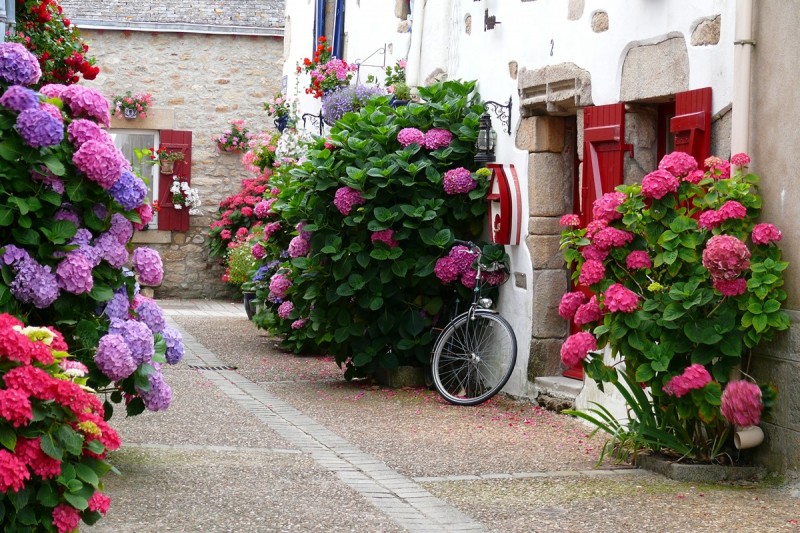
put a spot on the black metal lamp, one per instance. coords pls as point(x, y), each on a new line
point(487, 137)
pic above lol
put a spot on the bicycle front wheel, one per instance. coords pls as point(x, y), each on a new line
point(473, 359)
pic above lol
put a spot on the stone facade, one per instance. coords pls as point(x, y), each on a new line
point(199, 83)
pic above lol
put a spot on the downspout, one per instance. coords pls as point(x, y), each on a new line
point(743, 47)
point(8, 18)
point(415, 50)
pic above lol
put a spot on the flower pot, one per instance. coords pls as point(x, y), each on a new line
point(397, 103)
point(167, 167)
point(249, 303)
point(282, 122)
point(130, 114)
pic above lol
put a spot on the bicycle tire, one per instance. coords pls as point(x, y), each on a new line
point(471, 364)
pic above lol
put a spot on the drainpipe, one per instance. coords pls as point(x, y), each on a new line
point(743, 47)
point(7, 17)
point(415, 50)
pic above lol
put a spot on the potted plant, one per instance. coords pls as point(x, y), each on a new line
point(166, 159)
point(280, 108)
point(131, 106)
point(235, 139)
point(184, 195)
point(350, 98)
point(327, 72)
point(401, 94)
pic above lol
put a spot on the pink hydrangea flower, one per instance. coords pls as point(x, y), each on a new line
point(225, 234)
point(592, 272)
point(658, 184)
point(726, 257)
point(695, 177)
point(570, 303)
point(719, 168)
point(679, 164)
point(437, 138)
point(99, 502)
point(271, 228)
point(612, 238)
point(732, 209)
point(258, 251)
point(592, 251)
point(741, 403)
point(241, 233)
point(446, 270)
point(740, 159)
point(577, 347)
point(66, 518)
point(588, 312)
point(605, 207)
point(693, 377)
point(278, 285)
point(458, 181)
point(765, 233)
point(408, 136)
point(299, 247)
point(285, 309)
point(709, 219)
point(385, 236)
point(100, 162)
point(346, 198)
point(638, 259)
point(297, 324)
point(569, 221)
point(594, 226)
point(620, 298)
point(733, 287)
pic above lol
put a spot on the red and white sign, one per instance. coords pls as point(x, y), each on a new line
point(505, 205)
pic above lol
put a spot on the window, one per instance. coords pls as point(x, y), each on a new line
point(128, 141)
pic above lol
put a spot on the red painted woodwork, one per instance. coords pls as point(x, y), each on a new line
point(169, 218)
point(691, 124)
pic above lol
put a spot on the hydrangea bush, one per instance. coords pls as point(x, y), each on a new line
point(69, 204)
point(53, 435)
point(685, 283)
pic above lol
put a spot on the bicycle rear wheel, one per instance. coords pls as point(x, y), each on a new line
point(473, 359)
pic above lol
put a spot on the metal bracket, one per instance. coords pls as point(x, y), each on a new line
point(360, 63)
point(502, 112)
point(315, 119)
point(489, 22)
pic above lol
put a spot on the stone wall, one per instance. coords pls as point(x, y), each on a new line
point(202, 82)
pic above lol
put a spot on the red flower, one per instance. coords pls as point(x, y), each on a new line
point(322, 39)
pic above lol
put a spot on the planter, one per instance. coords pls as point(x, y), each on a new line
point(397, 103)
point(404, 376)
point(698, 472)
point(130, 114)
point(249, 304)
point(282, 122)
point(167, 167)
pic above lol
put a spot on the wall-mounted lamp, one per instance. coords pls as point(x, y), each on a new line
point(484, 145)
point(489, 22)
point(502, 112)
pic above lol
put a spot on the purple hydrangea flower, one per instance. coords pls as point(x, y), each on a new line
point(82, 237)
point(100, 211)
point(52, 110)
point(118, 306)
point(34, 283)
point(147, 264)
point(74, 273)
point(278, 285)
point(18, 98)
point(43, 174)
point(458, 181)
point(346, 198)
point(437, 138)
point(129, 190)
point(110, 250)
point(151, 314)
point(17, 65)
point(285, 309)
point(39, 128)
point(121, 228)
point(100, 162)
point(87, 102)
point(68, 213)
point(262, 208)
point(298, 247)
point(53, 90)
point(137, 336)
point(408, 136)
point(82, 131)
point(13, 255)
point(159, 396)
point(174, 342)
point(113, 357)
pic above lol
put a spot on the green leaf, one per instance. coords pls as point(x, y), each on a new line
point(47, 495)
point(71, 441)
point(50, 448)
point(54, 164)
point(6, 215)
point(376, 303)
point(27, 237)
point(101, 293)
point(673, 312)
point(87, 474)
point(771, 306)
point(19, 499)
point(644, 373)
point(75, 500)
point(760, 323)
point(8, 437)
point(134, 407)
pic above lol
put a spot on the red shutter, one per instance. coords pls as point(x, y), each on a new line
point(691, 124)
point(170, 218)
point(603, 154)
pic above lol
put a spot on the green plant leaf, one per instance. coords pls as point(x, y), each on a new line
point(50, 447)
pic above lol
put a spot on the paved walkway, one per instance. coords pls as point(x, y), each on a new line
point(260, 440)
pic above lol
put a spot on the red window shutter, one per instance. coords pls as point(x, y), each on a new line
point(603, 154)
point(691, 124)
point(170, 218)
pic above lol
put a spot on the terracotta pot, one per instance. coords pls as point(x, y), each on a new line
point(167, 167)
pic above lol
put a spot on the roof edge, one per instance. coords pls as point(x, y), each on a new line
point(176, 27)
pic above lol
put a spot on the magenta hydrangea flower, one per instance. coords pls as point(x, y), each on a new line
point(39, 128)
point(594, 226)
point(765, 234)
point(74, 273)
point(468, 278)
point(270, 228)
point(741, 403)
point(638, 259)
point(592, 271)
point(462, 256)
point(147, 264)
point(709, 219)
point(100, 162)
point(446, 270)
point(569, 221)
point(719, 168)
point(693, 377)
point(588, 312)
point(732, 209)
point(733, 287)
point(145, 212)
point(17, 65)
point(346, 198)
point(592, 251)
point(437, 138)
point(620, 298)
point(258, 251)
point(285, 309)
point(679, 164)
point(570, 303)
point(298, 324)
point(87, 102)
point(458, 181)
point(577, 347)
point(658, 184)
point(299, 246)
point(113, 357)
point(741, 159)
point(695, 177)
point(408, 136)
point(18, 98)
point(726, 257)
point(81, 131)
point(385, 236)
point(278, 285)
point(261, 209)
point(52, 90)
point(612, 238)
point(605, 207)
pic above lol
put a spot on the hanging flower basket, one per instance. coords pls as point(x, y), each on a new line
point(167, 167)
point(130, 114)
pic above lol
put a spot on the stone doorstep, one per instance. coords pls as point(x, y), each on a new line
point(699, 473)
point(557, 393)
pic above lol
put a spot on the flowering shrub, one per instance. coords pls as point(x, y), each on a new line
point(68, 210)
point(50, 36)
point(327, 72)
point(680, 299)
point(234, 139)
point(53, 437)
point(347, 99)
point(136, 103)
point(240, 212)
point(240, 261)
point(260, 154)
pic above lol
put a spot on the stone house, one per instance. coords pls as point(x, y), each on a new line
point(599, 92)
point(205, 64)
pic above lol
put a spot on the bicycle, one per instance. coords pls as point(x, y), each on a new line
point(475, 354)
